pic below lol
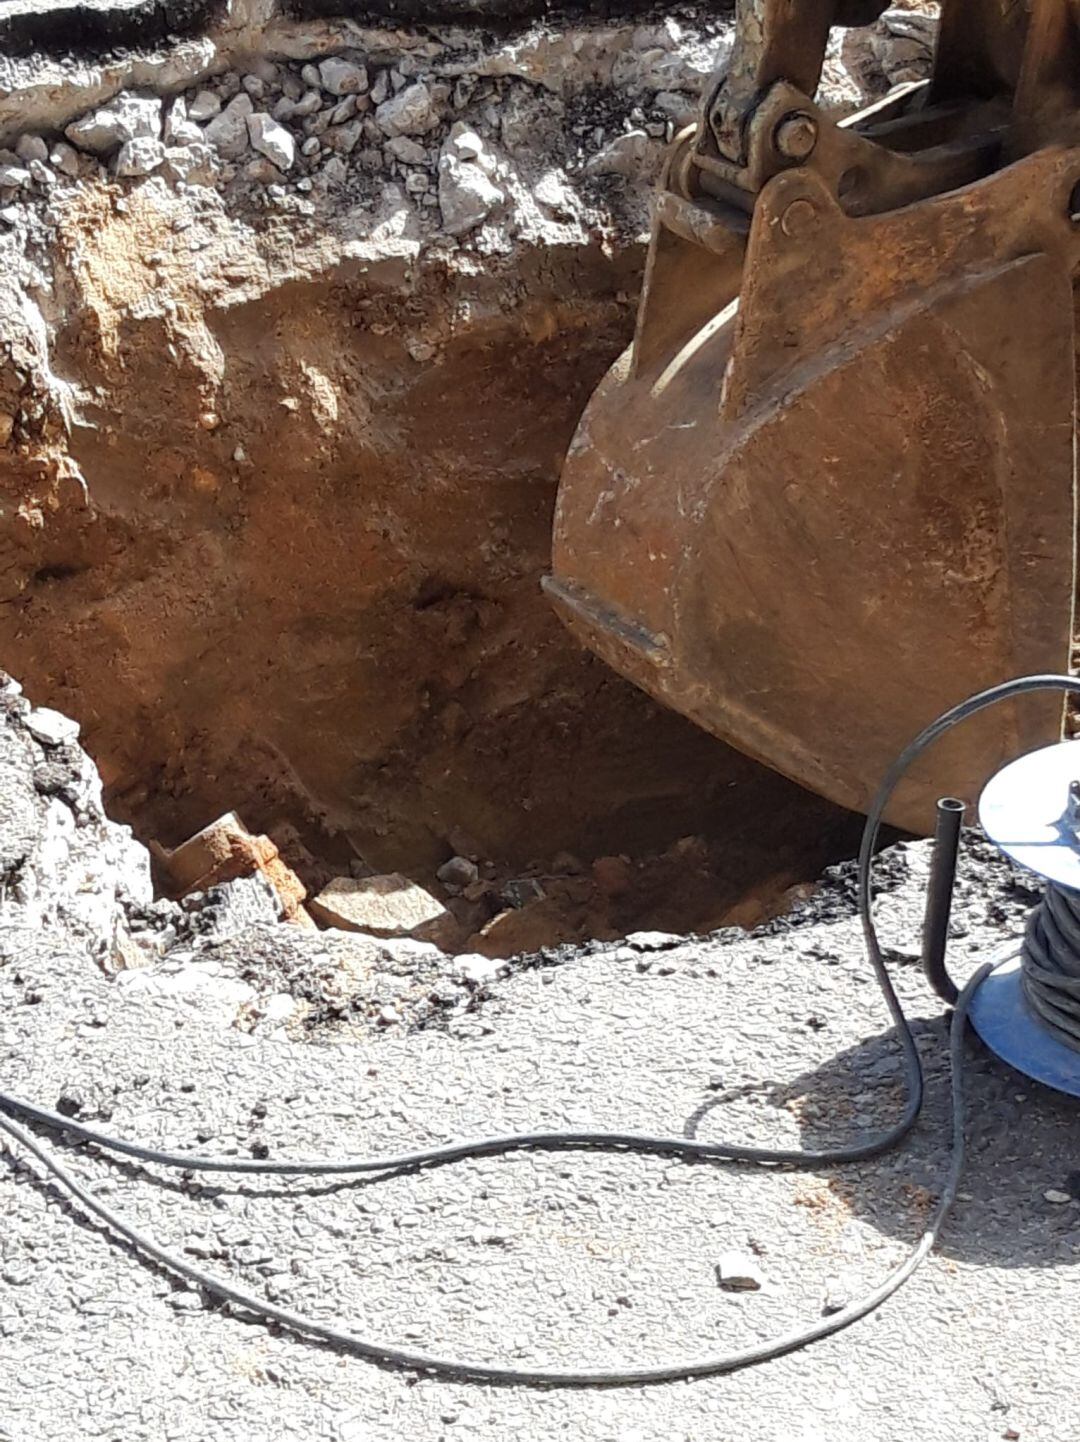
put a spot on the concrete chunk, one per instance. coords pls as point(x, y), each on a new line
point(390, 905)
point(224, 851)
point(205, 106)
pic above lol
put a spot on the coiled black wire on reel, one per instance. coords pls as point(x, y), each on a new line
point(1050, 963)
point(1029, 1011)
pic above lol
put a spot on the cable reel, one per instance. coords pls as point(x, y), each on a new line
point(1028, 1010)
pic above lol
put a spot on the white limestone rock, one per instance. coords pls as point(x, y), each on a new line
point(204, 107)
point(272, 140)
point(139, 157)
point(228, 132)
point(342, 77)
point(128, 117)
point(411, 111)
point(180, 129)
point(466, 195)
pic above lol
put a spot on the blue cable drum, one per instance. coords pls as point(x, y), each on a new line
point(1031, 811)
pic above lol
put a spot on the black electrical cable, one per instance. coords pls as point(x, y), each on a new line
point(11, 1107)
point(1050, 964)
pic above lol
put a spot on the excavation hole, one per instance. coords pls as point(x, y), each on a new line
point(345, 641)
point(342, 635)
point(280, 497)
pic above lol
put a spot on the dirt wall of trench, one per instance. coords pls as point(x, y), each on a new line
point(303, 581)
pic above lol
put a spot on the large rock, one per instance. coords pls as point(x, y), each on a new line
point(466, 195)
point(272, 140)
point(387, 906)
point(228, 132)
point(128, 117)
point(411, 112)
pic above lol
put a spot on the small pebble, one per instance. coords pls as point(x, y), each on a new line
point(736, 1272)
point(459, 871)
point(50, 727)
point(205, 105)
point(835, 1299)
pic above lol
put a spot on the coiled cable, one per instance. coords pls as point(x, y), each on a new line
point(1050, 964)
point(12, 1107)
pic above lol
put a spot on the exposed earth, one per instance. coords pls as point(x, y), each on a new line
point(297, 318)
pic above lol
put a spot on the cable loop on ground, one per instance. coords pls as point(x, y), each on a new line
point(1057, 928)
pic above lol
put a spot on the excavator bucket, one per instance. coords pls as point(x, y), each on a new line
point(829, 489)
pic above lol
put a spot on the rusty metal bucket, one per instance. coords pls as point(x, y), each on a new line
point(829, 489)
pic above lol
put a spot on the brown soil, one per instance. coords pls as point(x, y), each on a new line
point(303, 579)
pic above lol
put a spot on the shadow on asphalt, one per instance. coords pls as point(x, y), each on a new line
point(1023, 1140)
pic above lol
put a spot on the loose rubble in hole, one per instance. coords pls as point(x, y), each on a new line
point(74, 878)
